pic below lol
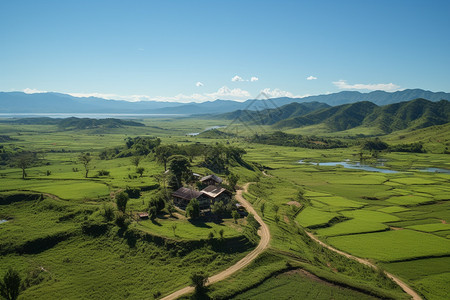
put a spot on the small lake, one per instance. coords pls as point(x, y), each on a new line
point(206, 129)
point(351, 165)
point(3, 221)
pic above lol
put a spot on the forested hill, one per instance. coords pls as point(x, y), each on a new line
point(414, 114)
point(76, 123)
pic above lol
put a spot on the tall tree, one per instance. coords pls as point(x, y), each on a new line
point(85, 160)
point(162, 154)
point(135, 160)
point(199, 281)
point(121, 201)
point(180, 168)
point(10, 285)
point(24, 160)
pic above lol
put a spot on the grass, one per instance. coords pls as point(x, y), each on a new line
point(402, 244)
point(410, 200)
point(148, 268)
point(311, 216)
point(66, 189)
point(339, 202)
point(351, 227)
point(189, 230)
point(430, 227)
point(370, 216)
point(393, 209)
point(300, 284)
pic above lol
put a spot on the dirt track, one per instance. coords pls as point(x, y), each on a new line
point(400, 283)
point(263, 244)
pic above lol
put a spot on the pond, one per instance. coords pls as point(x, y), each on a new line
point(352, 165)
point(206, 129)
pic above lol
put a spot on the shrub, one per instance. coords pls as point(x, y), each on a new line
point(121, 201)
point(133, 192)
point(122, 220)
point(108, 212)
point(102, 173)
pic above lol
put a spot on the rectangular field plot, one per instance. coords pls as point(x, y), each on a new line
point(413, 180)
point(410, 200)
point(352, 179)
point(339, 202)
point(370, 216)
point(393, 209)
point(300, 285)
point(435, 286)
point(430, 227)
point(65, 189)
point(419, 268)
point(352, 227)
point(392, 245)
point(313, 217)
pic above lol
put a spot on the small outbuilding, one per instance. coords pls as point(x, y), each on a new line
point(217, 193)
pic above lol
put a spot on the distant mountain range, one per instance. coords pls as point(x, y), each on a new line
point(413, 114)
point(18, 102)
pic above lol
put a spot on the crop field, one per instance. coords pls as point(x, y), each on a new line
point(351, 227)
point(403, 244)
point(337, 201)
point(311, 216)
point(299, 285)
point(429, 276)
point(430, 227)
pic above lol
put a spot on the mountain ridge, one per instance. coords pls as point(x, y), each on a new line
point(19, 102)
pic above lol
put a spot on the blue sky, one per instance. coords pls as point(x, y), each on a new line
point(204, 50)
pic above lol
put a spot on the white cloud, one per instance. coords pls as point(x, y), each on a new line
point(230, 94)
point(198, 84)
point(33, 91)
point(311, 78)
point(388, 87)
point(237, 78)
point(222, 93)
point(254, 78)
point(277, 93)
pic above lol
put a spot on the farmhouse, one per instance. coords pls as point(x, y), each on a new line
point(211, 180)
point(205, 197)
point(183, 196)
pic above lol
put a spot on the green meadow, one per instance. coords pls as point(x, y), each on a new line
point(62, 245)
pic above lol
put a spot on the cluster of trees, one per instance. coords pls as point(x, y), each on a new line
point(214, 157)
point(285, 139)
point(378, 145)
point(137, 146)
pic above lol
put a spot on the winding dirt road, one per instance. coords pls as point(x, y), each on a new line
point(263, 244)
point(400, 283)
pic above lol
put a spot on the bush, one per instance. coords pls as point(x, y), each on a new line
point(108, 212)
point(122, 220)
point(102, 173)
point(10, 285)
point(121, 201)
point(193, 209)
point(133, 192)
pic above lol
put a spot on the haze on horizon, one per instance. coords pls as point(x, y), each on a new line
point(201, 51)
